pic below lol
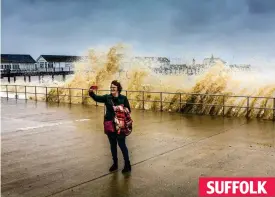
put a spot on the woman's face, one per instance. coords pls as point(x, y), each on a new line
point(113, 89)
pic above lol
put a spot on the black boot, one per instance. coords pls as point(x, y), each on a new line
point(127, 167)
point(113, 167)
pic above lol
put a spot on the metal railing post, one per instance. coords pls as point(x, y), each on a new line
point(25, 92)
point(143, 100)
point(46, 94)
point(161, 106)
point(126, 93)
point(16, 96)
point(180, 102)
point(7, 90)
point(57, 95)
point(35, 93)
point(70, 95)
point(247, 107)
point(82, 96)
point(223, 102)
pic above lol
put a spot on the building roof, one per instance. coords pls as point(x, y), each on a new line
point(160, 59)
point(61, 58)
point(16, 58)
point(213, 59)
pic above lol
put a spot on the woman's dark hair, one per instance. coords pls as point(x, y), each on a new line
point(118, 85)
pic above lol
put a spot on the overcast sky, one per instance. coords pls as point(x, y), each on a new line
point(239, 31)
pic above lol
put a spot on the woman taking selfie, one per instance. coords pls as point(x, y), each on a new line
point(116, 128)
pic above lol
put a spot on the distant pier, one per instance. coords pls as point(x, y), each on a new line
point(12, 75)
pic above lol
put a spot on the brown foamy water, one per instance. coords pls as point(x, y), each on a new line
point(135, 75)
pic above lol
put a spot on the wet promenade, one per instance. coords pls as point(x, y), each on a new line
point(61, 150)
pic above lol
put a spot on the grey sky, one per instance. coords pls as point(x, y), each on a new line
point(243, 29)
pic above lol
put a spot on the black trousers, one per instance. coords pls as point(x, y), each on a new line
point(115, 139)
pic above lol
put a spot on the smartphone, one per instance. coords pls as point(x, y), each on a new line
point(94, 87)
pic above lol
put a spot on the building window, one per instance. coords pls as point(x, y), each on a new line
point(2, 66)
point(41, 64)
point(7, 66)
point(15, 67)
point(50, 65)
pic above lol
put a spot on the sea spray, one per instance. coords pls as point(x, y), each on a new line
point(142, 83)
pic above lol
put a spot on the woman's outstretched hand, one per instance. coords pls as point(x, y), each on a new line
point(91, 90)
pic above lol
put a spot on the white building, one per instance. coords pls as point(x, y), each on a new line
point(57, 62)
point(212, 61)
point(156, 62)
point(17, 62)
point(240, 67)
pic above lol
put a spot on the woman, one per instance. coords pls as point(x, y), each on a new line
point(115, 98)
